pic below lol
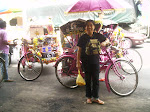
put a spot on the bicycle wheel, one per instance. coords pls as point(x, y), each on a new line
point(30, 67)
point(2, 69)
point(122, 83)
point(66, 72)
point(134, 57)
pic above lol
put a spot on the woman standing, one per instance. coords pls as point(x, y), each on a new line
point(88, 52)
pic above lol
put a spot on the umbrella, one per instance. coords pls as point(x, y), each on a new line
point(97, 5)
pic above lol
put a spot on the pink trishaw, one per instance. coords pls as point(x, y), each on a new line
point(121, 76)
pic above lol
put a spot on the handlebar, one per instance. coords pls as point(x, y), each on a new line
point(109, 47)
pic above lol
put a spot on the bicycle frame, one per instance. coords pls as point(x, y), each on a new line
point(104, 65)
point(25, 51)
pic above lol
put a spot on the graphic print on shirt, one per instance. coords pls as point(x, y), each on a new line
point(93, 47)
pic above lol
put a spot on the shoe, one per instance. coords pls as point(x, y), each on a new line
point(89, 101)
point(8, 80)
point(99, 101)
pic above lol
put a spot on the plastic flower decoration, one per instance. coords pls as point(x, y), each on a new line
point(35, 41)
point(117, 37)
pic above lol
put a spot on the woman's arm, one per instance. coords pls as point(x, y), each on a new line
point(78, 65)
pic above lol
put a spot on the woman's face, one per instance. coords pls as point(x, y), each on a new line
point(90, 27)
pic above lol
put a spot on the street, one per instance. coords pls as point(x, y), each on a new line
point(46, 94)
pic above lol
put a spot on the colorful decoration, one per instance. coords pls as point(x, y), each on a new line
point(117, 38)
point(46, 48)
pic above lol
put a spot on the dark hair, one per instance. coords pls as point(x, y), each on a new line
point(89, 21)
point(2, 24)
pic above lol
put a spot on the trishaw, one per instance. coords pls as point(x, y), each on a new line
point(121, 77)
point(41, 49)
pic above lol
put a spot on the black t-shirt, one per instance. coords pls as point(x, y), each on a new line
point(83, 40)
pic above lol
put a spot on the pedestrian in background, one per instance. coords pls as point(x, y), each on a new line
point(4, 47)
point(90, 60)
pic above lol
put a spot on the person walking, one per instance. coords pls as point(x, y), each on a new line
point(90, 60)
point(4, 47)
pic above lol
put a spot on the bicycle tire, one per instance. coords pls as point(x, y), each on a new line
point(3, 69)
point(134, 57)
point(126, 83)
point(64, 72)
point(31, 69)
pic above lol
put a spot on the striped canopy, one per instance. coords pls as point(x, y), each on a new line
point(10, 10)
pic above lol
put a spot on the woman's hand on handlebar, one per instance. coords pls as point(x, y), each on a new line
point(105, 43)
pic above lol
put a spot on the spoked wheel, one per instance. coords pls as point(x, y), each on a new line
point(134, 57)
point(30, 67)
point(2, 69)
point(66, 72)
point(121, 82)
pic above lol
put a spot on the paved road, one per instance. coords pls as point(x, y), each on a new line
point(46, 94)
